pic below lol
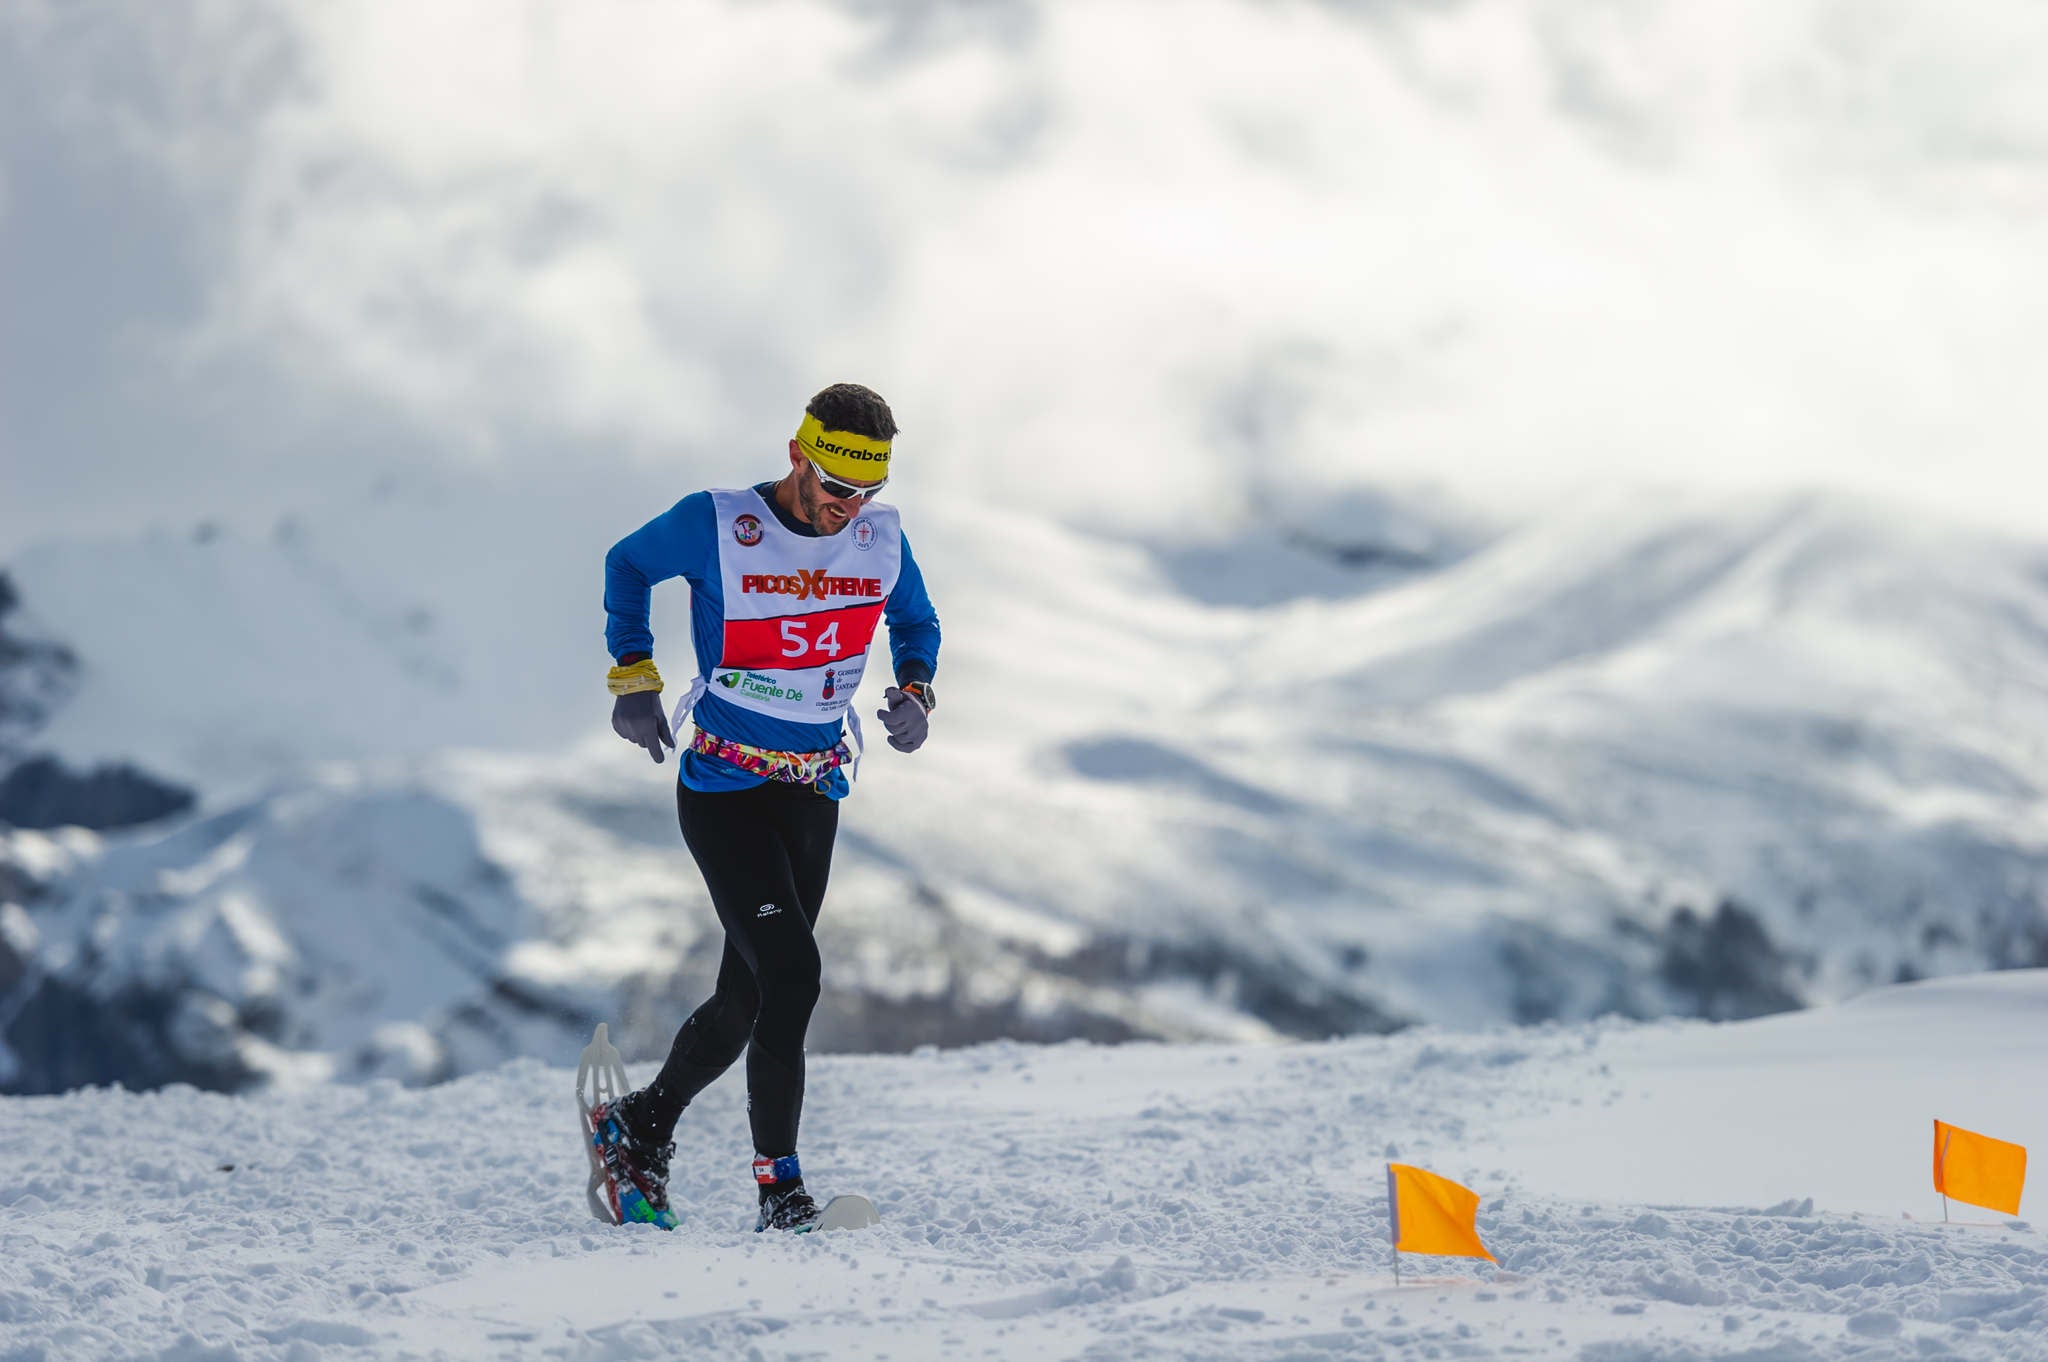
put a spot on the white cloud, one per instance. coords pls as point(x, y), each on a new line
point(1112, 253)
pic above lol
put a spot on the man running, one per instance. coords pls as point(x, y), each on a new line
point(788, 580)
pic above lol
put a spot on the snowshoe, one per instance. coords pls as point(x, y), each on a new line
point(628, 1177)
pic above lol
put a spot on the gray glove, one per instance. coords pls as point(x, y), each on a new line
point(638, 719)
point(905, 719)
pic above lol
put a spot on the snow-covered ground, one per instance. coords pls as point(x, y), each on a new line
point(1672, 1190)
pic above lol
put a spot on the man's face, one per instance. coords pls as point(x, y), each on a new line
point(821, 510)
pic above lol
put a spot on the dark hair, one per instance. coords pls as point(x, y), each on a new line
point(852, 408)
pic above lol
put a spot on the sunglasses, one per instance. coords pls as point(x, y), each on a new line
point(844, 491)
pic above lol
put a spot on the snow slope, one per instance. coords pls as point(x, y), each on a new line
point(1647, 758)
point(1652, 1191)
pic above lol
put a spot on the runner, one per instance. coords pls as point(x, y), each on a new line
point(788, 580)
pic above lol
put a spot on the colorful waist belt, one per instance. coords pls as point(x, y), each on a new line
point(798, 768)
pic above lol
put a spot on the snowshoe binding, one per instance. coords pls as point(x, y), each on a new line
point(787, 1205)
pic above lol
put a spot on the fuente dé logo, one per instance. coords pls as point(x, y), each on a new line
point(755, 686)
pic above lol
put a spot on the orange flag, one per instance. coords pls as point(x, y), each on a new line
point(1978, 1169)
point(1433, 1214)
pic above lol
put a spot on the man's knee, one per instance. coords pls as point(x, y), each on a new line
point(717, 1033)
point(791, 988)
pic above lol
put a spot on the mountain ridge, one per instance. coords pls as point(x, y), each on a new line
point(1700, 758)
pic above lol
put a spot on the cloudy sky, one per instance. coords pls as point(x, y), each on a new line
point(1130, 260)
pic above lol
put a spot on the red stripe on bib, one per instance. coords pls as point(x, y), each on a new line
point(814, 640)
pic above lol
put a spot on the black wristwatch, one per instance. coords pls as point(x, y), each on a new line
point(921, 691)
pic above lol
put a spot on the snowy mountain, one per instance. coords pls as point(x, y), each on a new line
point(35, 678)
point(1328, 771)
point(1669, 1191)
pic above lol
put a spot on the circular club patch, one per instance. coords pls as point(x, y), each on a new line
point(863, 534)
point(746, 530)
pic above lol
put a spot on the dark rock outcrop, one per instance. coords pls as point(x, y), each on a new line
point(65, 1037)
point(1726, 967)
point(35, 677)
point(42, 793)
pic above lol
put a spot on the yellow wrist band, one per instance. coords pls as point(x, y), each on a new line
point(638, 677)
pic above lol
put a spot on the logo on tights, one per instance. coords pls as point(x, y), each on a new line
point(766, 910)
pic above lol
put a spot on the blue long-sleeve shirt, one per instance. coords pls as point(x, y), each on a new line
point(683, 542)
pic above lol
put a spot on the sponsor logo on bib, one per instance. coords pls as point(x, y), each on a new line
point(864, 534)
point(755, 686)
point(746, 531)
point(840, 683)
point(808, 585)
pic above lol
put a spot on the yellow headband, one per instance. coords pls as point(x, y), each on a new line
point(842, 453)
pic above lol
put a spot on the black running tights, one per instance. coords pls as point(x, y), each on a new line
point(766, 853)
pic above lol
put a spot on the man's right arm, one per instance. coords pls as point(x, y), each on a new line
point(673, 544)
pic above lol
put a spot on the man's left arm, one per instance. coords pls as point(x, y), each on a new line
point(913, 652)
point(913, 625)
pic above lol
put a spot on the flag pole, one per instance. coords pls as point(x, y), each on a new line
point(1394, 1224)
point(1941, 1165)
